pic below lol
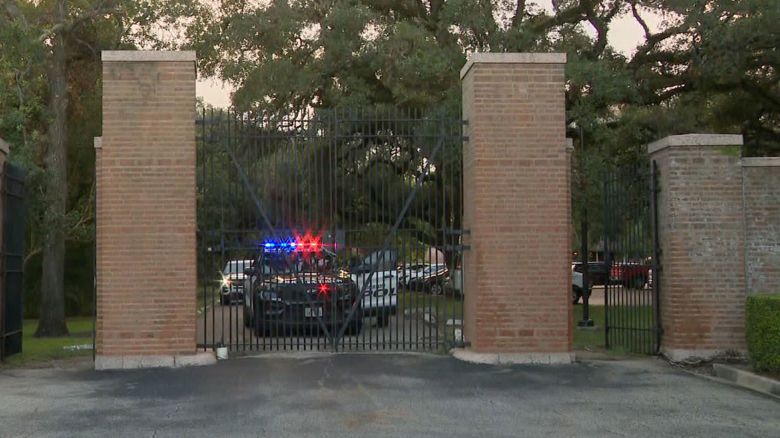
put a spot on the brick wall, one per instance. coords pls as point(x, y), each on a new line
point(761, 178)
point(517, 206)
point(701, 225)
point(146, 260)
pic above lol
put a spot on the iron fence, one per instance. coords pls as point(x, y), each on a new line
point(12, 260)
point(333, 230)
point(631, 247)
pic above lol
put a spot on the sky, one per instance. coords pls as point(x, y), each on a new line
point(624, 35)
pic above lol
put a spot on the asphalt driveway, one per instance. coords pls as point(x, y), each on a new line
point(381, 395)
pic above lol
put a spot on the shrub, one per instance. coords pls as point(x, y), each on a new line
point(763, 331)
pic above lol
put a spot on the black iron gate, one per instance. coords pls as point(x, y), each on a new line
point(631, 249)
point(334, 230)
point(11, 260)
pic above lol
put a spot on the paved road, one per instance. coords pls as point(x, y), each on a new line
point(381, 395)
point(596, 296)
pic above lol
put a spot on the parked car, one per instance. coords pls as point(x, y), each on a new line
point(630, 274)
point(598, 272)
point(380, 297)
point(427, 277)
point(409, 271)
point(232, 287)
point(576, 287)
point(293, 291)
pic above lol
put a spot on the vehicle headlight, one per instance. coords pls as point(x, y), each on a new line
point(343, 274)
point(225, 282)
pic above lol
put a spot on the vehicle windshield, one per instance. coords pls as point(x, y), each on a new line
point(287, 263)
point(237, 266)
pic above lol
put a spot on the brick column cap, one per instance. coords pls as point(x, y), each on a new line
point(695, 140)
point(512, 58)
point(147, 56)
point(761, 162)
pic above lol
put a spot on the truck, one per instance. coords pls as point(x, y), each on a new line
point(628, 274)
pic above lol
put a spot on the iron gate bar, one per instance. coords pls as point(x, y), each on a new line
point(261, 210)
point(385, 245)
point(630, 240)
point(12, 260)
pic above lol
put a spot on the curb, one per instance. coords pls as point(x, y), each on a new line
point(467, 355)
point(131, 362)
point(748, 380)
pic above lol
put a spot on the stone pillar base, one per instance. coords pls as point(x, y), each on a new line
point(161, 361)
point(686, 355)
point(467, 355)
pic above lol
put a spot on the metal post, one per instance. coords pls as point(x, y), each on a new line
point(586, 321)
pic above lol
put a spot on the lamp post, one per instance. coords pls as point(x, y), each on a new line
point(586, 321)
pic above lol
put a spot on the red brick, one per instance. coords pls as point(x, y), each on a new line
point(517, 205)
point(701, 231)
point(146, 259)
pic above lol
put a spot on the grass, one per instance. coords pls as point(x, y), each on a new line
point(624, 343)
point(36, 350)
point(444, 307)
point(593, 338)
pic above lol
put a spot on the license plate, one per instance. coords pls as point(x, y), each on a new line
point(312, 312)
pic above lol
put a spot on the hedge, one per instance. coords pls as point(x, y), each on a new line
point(763, 331)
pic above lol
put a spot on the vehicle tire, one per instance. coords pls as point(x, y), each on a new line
point(435, 288)
point(576, 294)
point(382, 320)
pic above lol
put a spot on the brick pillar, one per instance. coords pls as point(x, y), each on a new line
point(761, 182)
point(146, 259)
point(517, 205)
point(702, 234)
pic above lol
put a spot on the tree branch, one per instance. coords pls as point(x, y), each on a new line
point(640, 20)
point(519, 13)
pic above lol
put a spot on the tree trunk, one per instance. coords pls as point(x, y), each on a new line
point(52, 313)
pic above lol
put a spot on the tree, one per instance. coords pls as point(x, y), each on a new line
point(720, 55)
point(52, 63)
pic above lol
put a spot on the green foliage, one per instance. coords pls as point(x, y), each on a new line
point(370, 161)
point(712, 67)
point(762, 314)
point(730, 151)
point(25, 67)
point(38, 350)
